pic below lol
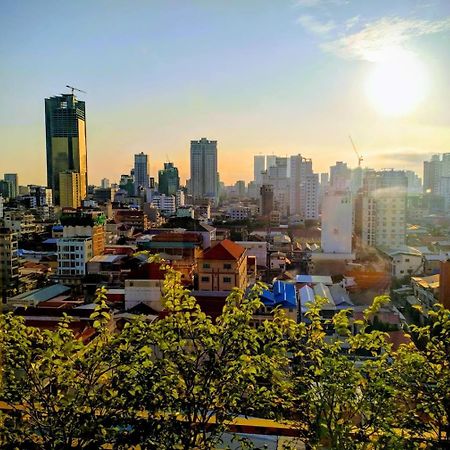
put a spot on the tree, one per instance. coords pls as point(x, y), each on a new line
point(423, 381)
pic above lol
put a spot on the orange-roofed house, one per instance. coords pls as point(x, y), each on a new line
point(223, 267)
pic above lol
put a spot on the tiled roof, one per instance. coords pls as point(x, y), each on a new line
point(225, 250)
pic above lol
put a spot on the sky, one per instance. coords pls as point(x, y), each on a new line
point(259, 76)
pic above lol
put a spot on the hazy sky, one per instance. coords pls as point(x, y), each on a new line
point(259, 76)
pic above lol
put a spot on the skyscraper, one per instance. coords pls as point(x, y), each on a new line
point(65, 124)
point(141, 172)
point(14, 180)
point(432, 172)
point(168, 179)
point(259, 166)
point(204, 175)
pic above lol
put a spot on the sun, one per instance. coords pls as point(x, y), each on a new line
point(397, 83)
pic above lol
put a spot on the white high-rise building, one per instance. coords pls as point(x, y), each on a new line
point(299, 168)
point(204, 175)
point(380, 218)
point(271, 161)
point(105, 183)
point(309, 197)
point(340, 176)
point(259, 166)
point(337, 217)
point(141, 172)
point(276, 176)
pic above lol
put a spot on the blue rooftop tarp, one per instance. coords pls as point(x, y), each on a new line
point(283, 294)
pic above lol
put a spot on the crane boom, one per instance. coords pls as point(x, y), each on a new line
point(360, 158)
point(75, 89)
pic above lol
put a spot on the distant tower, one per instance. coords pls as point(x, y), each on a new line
point(266, 193)
point(168, 179)
point(259, 166)
point(141, 172)
point(204, 175)
point(14, 180)
point(65, 124)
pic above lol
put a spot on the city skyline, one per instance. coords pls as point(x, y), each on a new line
point(299, 79)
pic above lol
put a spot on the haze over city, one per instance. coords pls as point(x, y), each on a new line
point(270, 77)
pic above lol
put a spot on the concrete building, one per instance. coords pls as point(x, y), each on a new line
point(65, 123)
point(22, 223)
point(9, 263)
point(166, 204)
point(299, 169)
point(141, 172)
point(168, 180)
point(223, 267)
point(340, 176)
point(432, 172)
point(105, 183)
point(239, 212)
point(309, 197)
point(73, 253)
point(259, 166)
point(276, 176)
point(204, 181)
point(257, 249)
point(337, 215)
point(148, 292)
point(380, 209)
point(69, 189)
point(266, 200)
point(13, 179)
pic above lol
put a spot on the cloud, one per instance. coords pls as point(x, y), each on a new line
point(369, 43)
point(311, 24)
point(350, 23)
point(314, 3)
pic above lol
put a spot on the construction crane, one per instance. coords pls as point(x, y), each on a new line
point(75, 89)
point(360, 158)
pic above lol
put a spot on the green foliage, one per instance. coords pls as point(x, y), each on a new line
point(177, 382)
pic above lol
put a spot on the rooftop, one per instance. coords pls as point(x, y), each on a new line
point(224, 250)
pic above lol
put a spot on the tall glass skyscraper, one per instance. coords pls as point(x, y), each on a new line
point(168, 179)
point(204, 175)
point(65, 124)
point(141, 172)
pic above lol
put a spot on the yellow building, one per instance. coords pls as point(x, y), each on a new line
point(69, 189)
point(223, 267)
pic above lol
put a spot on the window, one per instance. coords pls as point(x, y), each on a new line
point(206, 266)
point(227, 279)
point(227, 266)
point(205, 279)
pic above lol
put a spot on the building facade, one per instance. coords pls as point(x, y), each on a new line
point(204, 181)
point(141, 172)
point(9, 263)
point(168, 180)
point(65, 123)
point(69, 189)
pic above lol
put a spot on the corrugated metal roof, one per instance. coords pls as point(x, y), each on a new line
point(314, 279)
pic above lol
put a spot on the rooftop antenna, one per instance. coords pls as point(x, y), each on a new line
point(75, 89)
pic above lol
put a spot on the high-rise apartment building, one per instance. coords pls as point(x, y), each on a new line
point(65, 124)
point(299, 168)
point(432, 172)
point(340, 176)
point(380, 217)
point(141, 172)
point(204, 176)
point(276, 176)
point(259, 166)
point(9, 263)
point(69, 189)
point(13, 179)
point(168, 180)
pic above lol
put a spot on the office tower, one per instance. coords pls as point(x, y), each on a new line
point(266, 197)
point(432, 172)
point(270, 161)
point(105, 183)
point(168, 179)
point(14, 181)
point(239, 186)
point(380, 216)
point(204, 176)
point(9, 262)
point(276, 176)
point(5, 189)
point(259, 166)
point(309, 197)
point(65, 124)
point(337, 217)
point(141, 172)
point(299, 168)
point(69, 189)
point(340, 176)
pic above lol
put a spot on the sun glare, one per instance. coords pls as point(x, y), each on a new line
point(397, 83)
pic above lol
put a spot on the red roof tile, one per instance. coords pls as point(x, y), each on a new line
point(225, 250)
